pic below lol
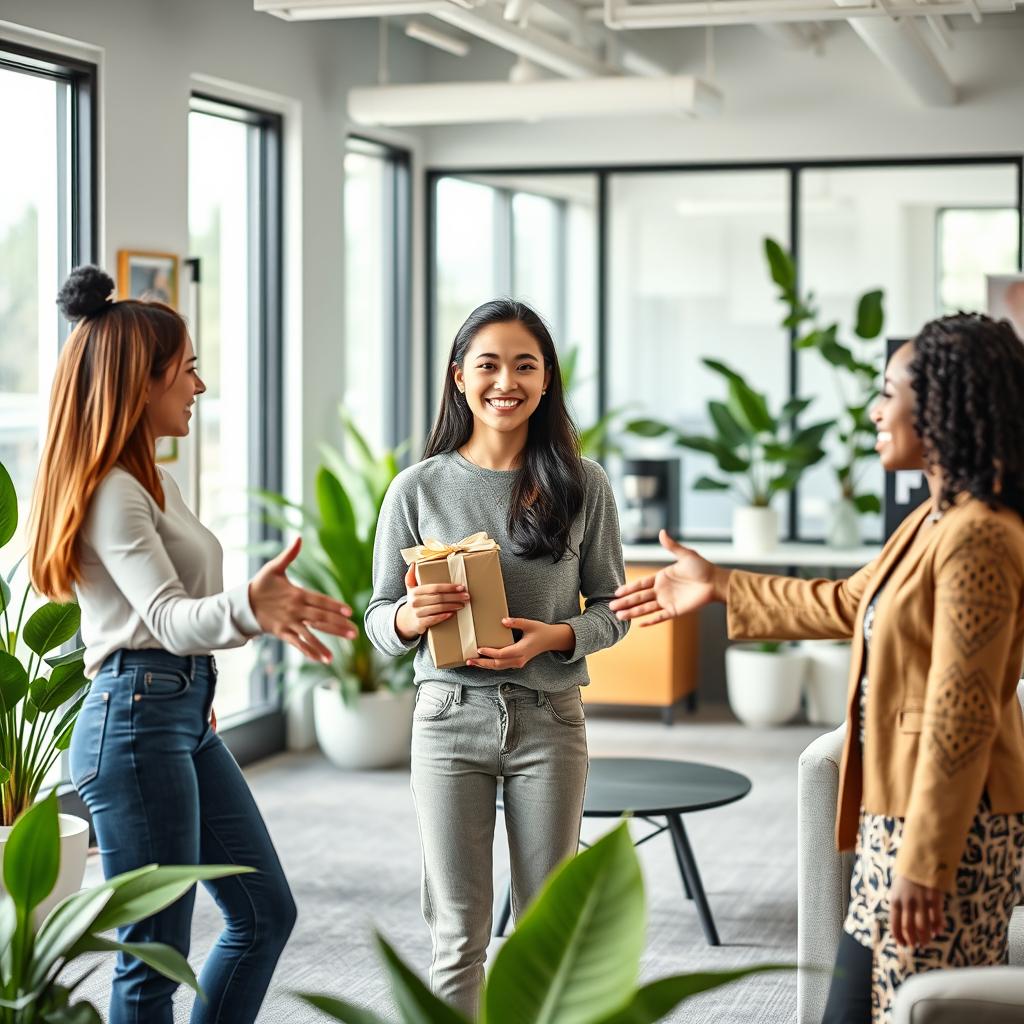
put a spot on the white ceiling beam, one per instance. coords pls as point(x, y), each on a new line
point(904, 51)
point(620, 14)
point(543, 48)
point(473, 102)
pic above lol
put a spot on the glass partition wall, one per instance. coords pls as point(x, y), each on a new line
point(644, 271)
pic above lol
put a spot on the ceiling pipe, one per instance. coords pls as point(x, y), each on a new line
point(905, 52)
point(541, 47)
point(471, 102)
point(617, 14)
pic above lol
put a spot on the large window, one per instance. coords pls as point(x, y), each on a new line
point(892, 228)
point(46, 227)
point(234, 236)
point(686, 280)
point(377, 291)
point(677, 272)
point(533, 237)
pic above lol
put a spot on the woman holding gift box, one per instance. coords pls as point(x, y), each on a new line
point(503, 458)
point(932, 783)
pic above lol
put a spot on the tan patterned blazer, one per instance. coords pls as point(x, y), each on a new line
point(942, 719)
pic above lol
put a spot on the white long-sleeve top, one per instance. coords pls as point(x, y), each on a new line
point(154, 579)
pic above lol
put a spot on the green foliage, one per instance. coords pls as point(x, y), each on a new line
point(34, 958)
point(39, 695)
point(574, 958)
point(597, 439)
point(337, 557)
point(855, 376)
point(761, 454)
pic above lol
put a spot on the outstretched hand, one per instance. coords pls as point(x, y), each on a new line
point(687, 584)
point(291, 613)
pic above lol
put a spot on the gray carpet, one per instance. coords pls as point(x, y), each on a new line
point(349, 846)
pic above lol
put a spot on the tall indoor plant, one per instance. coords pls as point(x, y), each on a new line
point(855, 377)
point(37, 954)
point(362, 699)
point(760, 454)
point(41, 694)
point(574, 956)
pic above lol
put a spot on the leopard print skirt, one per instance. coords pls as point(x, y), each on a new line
point(988, 888)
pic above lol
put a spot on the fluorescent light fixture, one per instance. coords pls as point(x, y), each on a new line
point(481, 102)
point(330, 10)
point(435, 37)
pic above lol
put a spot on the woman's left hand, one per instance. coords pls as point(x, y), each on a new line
point(917, 912)
point(537, 638)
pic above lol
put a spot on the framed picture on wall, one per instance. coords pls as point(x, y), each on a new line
point(1006, 299)
point(148, 275)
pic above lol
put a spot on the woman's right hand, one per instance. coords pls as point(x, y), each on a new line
point(290, 612)
point(688, 584)
point(427, 605)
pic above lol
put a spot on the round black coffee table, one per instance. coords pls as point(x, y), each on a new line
point(653, 788)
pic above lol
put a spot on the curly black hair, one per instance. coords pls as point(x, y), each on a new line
point(967, 372)
point(85, 293)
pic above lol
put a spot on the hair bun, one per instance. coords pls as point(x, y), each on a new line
point(86, 292)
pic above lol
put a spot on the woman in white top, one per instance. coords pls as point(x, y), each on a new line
point(109, 526)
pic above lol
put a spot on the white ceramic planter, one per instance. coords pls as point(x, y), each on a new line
point(764, 688)
point(827, 680)
point(844, 525)
point(755, 530)
point(74, 848)
point(376, 732)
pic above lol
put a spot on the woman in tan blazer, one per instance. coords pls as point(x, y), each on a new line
point(931, 789)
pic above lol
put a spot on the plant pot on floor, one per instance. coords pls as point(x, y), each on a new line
point(74, 848)
point(373, 732)
point(827, 679)
point(755, 529)
point(764, 682)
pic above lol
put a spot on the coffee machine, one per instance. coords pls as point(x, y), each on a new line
point(650, 490)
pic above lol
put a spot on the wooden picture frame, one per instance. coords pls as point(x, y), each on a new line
point(148, 275)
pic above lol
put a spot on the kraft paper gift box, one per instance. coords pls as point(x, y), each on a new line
point(473, 562)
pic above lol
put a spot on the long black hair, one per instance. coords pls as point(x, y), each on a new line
point(548, 489)
point(967, 373)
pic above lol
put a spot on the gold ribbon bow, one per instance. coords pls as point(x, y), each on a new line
point(430, 551)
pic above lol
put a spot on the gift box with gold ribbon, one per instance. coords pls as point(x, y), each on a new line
point(473, 562)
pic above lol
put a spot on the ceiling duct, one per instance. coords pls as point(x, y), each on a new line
point(332, 10)
point(471, 102)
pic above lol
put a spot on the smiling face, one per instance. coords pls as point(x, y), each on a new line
point(503, 376)
point(169, 407)
point(898, 443)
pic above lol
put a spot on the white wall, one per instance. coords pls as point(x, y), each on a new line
point(779, 104)
point(151, 55)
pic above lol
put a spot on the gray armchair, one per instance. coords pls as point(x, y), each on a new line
point(984, 995)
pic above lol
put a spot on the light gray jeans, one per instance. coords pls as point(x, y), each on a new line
point(464, 739)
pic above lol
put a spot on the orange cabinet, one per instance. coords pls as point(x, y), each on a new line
point(654, 667)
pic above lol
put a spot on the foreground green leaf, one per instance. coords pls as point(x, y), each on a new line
point(51, 625)
point(415, 1002)
point(574, 956)
point(338, 1009)
point(32, 855)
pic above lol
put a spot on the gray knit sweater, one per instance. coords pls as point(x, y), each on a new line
point(448, 498)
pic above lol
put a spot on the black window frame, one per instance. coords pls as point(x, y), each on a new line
point(603, 172)
point(259, 730)
point(396, 257)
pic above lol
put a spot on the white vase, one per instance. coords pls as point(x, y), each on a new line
point(755, 530)
point(844, 525)
point(827, 680)
point(764, 687)
point(74, 848)
point(375, 732)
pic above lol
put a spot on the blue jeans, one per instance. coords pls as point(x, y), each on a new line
point(162, 788)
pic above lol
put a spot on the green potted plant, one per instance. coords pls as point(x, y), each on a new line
point(41, 694)
point(36, 958)
point(574, 956)
point(362, 701)
point(856, 382)
point(760, 454)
